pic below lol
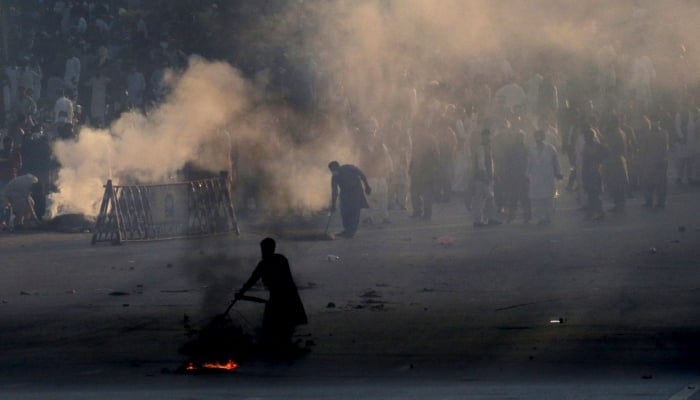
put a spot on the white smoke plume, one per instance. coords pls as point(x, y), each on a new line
point(211, 110)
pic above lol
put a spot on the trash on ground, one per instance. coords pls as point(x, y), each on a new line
point(445, 241)
point(332, 258)
point(370, 294)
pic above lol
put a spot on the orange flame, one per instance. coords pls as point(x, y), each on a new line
point(230, 365)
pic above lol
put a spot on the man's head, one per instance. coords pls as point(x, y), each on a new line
point(334, 166)
point(267, 247)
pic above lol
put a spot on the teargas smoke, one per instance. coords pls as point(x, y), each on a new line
point(212, 118)
point(379, 66)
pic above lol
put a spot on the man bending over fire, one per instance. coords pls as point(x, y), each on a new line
point(284, 309)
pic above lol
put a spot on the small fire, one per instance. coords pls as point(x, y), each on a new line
point(230, 365)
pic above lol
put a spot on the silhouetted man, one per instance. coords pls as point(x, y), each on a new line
point(347, 183)
point(284, 309)
point(591, 177)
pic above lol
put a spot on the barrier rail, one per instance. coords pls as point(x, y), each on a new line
point(165, 211)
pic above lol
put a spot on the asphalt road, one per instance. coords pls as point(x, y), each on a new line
point(575, 310)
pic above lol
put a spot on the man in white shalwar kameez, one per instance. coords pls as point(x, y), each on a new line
point(543, 170)
point(18, 193)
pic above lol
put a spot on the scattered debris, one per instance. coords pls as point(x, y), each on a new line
point(330, 305)
point(125, 305)
point(556, 321)
point(118, 293)
point(647, 377)
point(652, 250)
point(72, 291)
point(446, 241)
point(332, 258)
point(371, 294)
point(23, 293)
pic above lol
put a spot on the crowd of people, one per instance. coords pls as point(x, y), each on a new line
point(59, 55)
point(508, 162)
point(501, 135)
point(497, 134)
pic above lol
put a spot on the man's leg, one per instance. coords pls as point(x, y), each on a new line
point(491, 209)
point(351, 220)
point(478, 202)
point(416, 200)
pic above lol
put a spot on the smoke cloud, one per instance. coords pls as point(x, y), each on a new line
point(211, 115)
point(369, 59)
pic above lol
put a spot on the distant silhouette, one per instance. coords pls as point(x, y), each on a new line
point(348, 179)
point(284, 309)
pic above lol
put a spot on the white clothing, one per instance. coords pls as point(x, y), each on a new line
point(63, 110)
point(18, 193)
point(20, 186)
point(98, 103)
point(136, 86)
point(72, 74)
point(543, 169)
point(511, 95)
point(532, 89)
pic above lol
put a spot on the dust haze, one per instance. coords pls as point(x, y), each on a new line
point(371, 64)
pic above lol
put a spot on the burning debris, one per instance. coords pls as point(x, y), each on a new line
point(217, 347)
point(228, 366)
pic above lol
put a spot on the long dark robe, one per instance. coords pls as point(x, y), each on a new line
point(348, 181)
point(284, 309)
